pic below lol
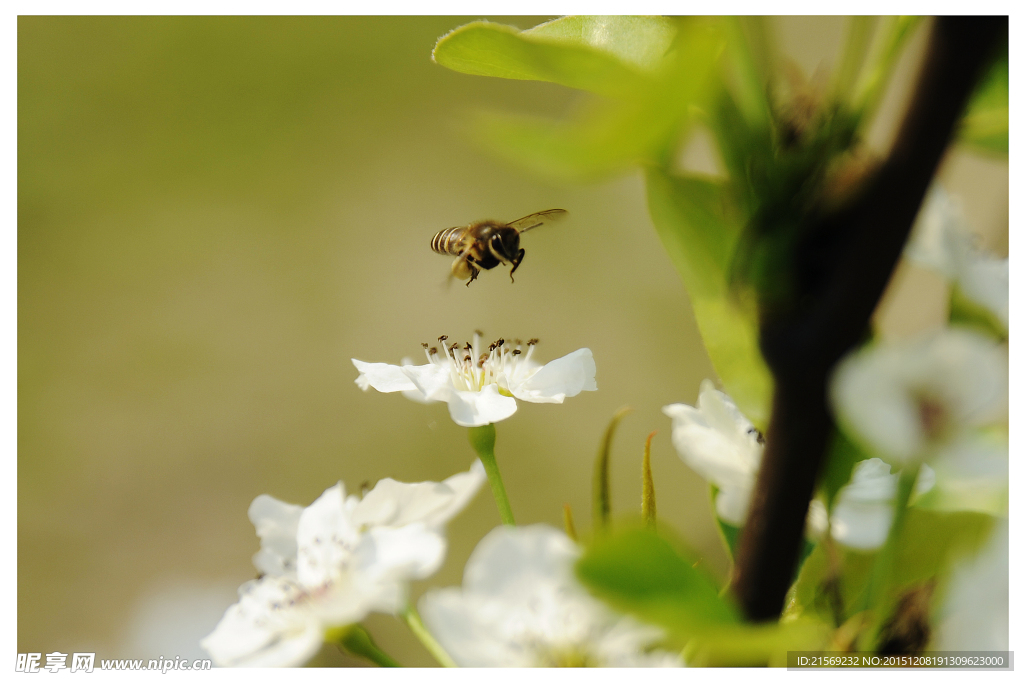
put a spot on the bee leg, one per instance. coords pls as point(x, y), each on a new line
point(474, 271)
point(515, 263)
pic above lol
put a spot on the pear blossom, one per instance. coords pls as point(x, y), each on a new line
point(942, 242)
point(331, 563)
point(717, 441)
point(481, 385)
point(864, 509)
point(520, 605)
point(905, 401)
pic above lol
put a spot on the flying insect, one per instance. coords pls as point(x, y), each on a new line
point(482, 245)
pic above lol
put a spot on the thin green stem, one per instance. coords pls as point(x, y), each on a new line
point(482, 438)
point(415, 624)
point(356, 640)
point(881, 573)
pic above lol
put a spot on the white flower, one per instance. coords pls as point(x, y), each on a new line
point(331, 563)
point(521, 606)
point(722, 445)
point(864, 509)
point(480, 386)
point(913, 399)
point(942, 242)
point(976, 612)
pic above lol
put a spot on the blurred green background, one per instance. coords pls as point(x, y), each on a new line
point(215, 214)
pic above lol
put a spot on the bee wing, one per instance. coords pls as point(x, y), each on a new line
point(538, 219)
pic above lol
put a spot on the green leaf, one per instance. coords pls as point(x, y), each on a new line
point(699, 228)
point(757, 645)
point(640, 42)
point(609, 136)
point(641, 573)
point(486, 49)
point(986, 125)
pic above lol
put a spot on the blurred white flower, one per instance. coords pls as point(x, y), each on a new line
point(905, 401)
point(481, 386)
point(521, 606)
point(717, 441)
point(976, 611)
point(864, 509)
point(331, 563)
point(942, 242)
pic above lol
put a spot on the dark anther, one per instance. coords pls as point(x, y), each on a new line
point(442, 339)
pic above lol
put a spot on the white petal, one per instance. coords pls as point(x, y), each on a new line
point(385, 378)
point(875, 404)
point(266, 628)
point(732, 503)
point(326, 538)
point(986, 281)
point(714, 454)
point(401, 554)
point(564, 377)
point(931, 244)
point(862, 525)
point(276, 525)
point(433, 503)
point(453, 619)
point(434, 381)
point(472, 409)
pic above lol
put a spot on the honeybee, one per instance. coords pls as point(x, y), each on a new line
point(484, 244)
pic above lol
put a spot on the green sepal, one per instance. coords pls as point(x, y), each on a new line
point(602, 501)
point(355, 640)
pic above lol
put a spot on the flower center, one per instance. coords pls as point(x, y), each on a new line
point(933, 415)
point(472, 367)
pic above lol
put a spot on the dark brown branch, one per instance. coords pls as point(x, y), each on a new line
point(844, 264)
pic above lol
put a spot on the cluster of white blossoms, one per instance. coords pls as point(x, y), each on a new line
point(331, 563)
point(521, 606)
point(942, 242)
point(481, 386)
point(717, 441)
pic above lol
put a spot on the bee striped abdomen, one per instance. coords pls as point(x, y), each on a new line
point(448, 241)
